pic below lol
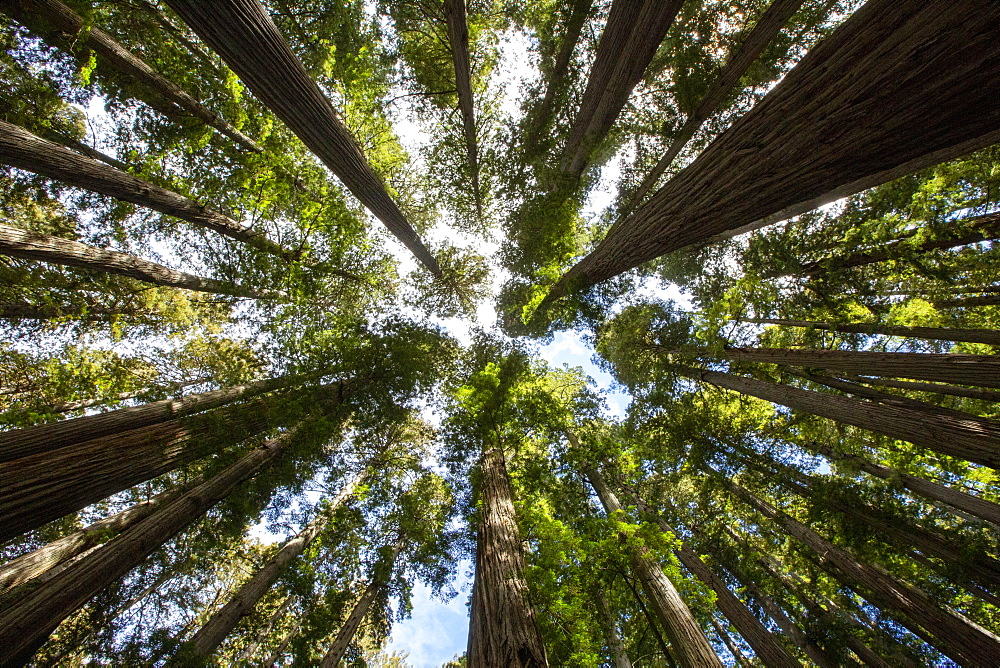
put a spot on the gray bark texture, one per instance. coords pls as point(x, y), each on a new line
point(27, 624)
point(19, 148)
point(502, 627)
point(987, 336)
point(934, 388)
point(244, 35)
point(458, 42)
point(612, 638)
point(897, 82)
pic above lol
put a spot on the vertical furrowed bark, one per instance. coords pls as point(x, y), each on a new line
point(987, 336)
point(26, 625)
point(78, 404)
point(244, 35)
point(458, 42)
point(502, 626)
point(16, 242)
point(19, 148)
point(953, 635)
point(63, 28)
point(764, 31)
point(934, 388)
point(897, 82)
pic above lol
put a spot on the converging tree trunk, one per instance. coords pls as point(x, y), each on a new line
point(955, 636)
point(244, 35)
point(764, 31)
point(78, 404)
point(613, 639)
point(63, 28)
point(502, 626)
point(632, 34)
point(458, 42)
point(19, 148)
point(934, 388)
point(684, 632)
point(895, 84)
point(26, 624)
point(16, 242)
point(987, 336)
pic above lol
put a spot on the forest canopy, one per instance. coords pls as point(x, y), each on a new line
point(278, 277)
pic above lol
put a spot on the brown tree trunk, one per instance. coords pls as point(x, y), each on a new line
point(968, 302)
point(222, 623)
point(954, 636)
point(248, 653)
point(632, 34)
point(895, 84)
point(502, 627)
point(684, 632)
point(19, 148)
point(26, 625)
point(987, 511)
point(346, 634)
point(244, 35)
point(25, 311)
point(67, 406)
point(940, 433)
point(987, 336)
point(458, 43)
point(763, 33)
point(63, 28)
point(612, 638)
point(952, 390)
point(727, 640)
point(48, 437)
point(16, 242)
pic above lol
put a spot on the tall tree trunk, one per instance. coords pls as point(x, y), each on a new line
point(967, 302)
point(952, 390)
point(940, 433)
point(61, 550)
point(244, 35)
point(632, 34)
point(684, 632)
point(27, 624)
point(502, 627)
point(612, 638)
point(248, 653)
point(48, 437)
point(458, 43)
point(763, 33)
point(727, 640)
point(987, 511)
point(896, 83)
point(78, 404)
point(19, 148)
point(955, 636)
point(222, 623)
point(16, 242)
point(63, 28)
point(89, 313)
point(987, 336)
point(344, 637)
point(763, 642)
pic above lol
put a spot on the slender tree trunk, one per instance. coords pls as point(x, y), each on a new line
point(458, 42)
point(25, 311)
point(968, 302)
point(346, 634)
point(502, 627)
point(59, 551)
point(987, 336)
point(63, 28)
point(222, 623)
point(987, 511)
point(651, 624)
point(952, 390)
point(940, 433)
point(727, 640)
point(26, 625)
point(612, 638)
point(246, 656)
point(48, 437)
point(684, 632)
point(956, 637)
point(67, 406)
point(16, 242)
point(763, 33)
point(19, 148)
point(895, 84)
point(632, 34)
point(244, 35)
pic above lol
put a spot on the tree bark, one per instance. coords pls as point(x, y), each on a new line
point(502, 627)
point(67, 406)
point(63, 28)
point(612, 638)
point(968, 302)
point(952, 390)
point(631, 36)
point(764, 31)
point(343, 640)
point(244, 35)
point(727, 640)
point(25, 311)
point(895, 84)
point(988, 336)
point(987, 511)
point(684, 632)
point(222, 623)
point(954, 636)
point(940, 433)
point(48, 437)
point(26, 625)
point(246, 656)
point(19, 148)
point(458, 43)
point(16, 242)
